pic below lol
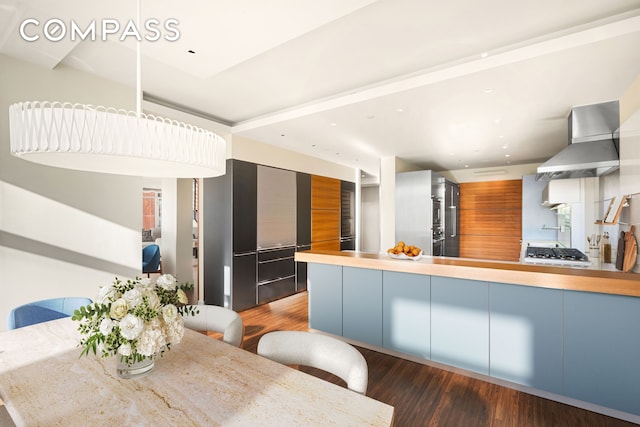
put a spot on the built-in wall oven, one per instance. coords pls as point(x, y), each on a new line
point(437, 245)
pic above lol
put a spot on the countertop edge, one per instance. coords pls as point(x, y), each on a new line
point(567, 278)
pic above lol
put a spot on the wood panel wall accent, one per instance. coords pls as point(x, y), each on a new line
point(325, 213)
point(491, 220)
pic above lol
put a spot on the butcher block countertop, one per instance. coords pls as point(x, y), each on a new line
point(567, 278)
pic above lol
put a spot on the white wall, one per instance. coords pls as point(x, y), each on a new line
point(269, 155)
point(370, 214)
point(62, 232)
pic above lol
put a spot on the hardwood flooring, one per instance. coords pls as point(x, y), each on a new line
point(423, 395)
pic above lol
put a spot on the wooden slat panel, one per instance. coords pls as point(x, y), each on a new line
point(491, 195)
point(325, 193)
point(325, 225)
point(491, 220)
point(502, 248)
point(327, 245)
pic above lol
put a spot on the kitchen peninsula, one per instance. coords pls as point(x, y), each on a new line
point(568, 334)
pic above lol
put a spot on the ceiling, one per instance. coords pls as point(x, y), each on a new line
point(442, 85)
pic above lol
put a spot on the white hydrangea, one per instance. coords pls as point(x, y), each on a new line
point(131, 326)
point(174, 330)
point(151, 340)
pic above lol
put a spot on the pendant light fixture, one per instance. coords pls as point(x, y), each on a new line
point(109, 140)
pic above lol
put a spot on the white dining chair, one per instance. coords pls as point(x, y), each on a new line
point(317, 351)
point(217, 319)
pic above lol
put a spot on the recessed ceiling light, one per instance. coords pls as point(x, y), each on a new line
point(484, 55)
point(399, 110)
point(282, 134)
point(191, 51)
point(500, 136)
point(466, 166)
point(488, 90)
point(371, 117)
point(507, 155)
point(497, 121)
point(505, 146)
point(333, 124)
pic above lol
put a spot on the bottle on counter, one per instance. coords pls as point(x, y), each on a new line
point(606, 248)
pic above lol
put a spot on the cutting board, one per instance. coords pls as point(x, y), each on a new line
point(620, 252)
point(630, 249)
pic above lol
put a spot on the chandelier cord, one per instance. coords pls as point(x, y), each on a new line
point(138, 64)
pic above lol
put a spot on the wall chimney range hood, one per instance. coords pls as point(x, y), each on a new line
point(593, 148)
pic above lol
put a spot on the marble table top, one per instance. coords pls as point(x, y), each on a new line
point(199, 382)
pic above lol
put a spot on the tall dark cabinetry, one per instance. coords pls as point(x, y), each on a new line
point(229, 234)
point(303, 225)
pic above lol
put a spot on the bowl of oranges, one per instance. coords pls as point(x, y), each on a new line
point(404, 251)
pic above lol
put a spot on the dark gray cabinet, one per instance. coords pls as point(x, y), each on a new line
point(229, 234)
point(303, 225)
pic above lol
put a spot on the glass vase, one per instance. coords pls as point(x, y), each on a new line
point(135, 369)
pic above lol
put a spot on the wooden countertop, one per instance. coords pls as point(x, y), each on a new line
point(568, 278)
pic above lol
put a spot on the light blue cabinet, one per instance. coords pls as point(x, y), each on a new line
point(362, 305)
point(602, 349)
point(325, 297)
point(406, 313)
point(526, 335)
point(460, 323)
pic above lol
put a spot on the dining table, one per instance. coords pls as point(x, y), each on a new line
point(201, 381)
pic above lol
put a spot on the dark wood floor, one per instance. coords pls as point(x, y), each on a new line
point(424, 395)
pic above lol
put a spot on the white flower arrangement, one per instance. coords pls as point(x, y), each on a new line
point(135, 319)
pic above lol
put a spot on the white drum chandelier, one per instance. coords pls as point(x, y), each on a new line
point(101, 139)
point(109, 140)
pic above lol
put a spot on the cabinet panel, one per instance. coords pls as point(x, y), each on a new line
point(325, 225)
point(602, 348)
point(303, 209)
point(276, 289)
point(325, 193)
point(325, 297)
point(362, 305)
point(526, 335)
point(406, 313)
point(327, 245)
point(276, 207)
point(244, 206)
point(460, 323)
point(243, 294)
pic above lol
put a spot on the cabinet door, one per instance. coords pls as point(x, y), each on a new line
point(303, 209)
point(526, 335)
point(244, 206)
point(602, 349)
point(244, 281)
point(362, 305)
point(406, 313)
point(460, 323)
point(325, 297)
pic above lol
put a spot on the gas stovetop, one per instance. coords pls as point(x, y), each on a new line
point(558, 256)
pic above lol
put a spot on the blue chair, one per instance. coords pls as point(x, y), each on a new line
point(151, 259)
point(44, 311)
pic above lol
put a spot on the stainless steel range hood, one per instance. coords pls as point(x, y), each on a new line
point(593, 148)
